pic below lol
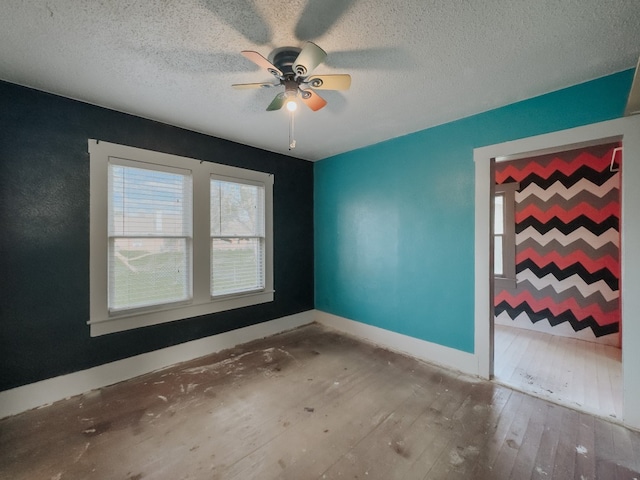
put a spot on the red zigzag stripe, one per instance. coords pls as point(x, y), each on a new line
point(598, 215)
point(557, 164)
point(578, 256)
point(557, 308)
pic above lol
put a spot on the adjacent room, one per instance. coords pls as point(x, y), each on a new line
point(319, 239)
point(557, 274)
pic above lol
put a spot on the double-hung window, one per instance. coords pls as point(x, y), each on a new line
point(499, 234)
point(173, 237)
point(237, 236)
point(504, 235)
point(150, 235)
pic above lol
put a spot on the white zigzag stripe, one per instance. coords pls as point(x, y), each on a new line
point(559, 189)
point(585, 289)
point(581, 233)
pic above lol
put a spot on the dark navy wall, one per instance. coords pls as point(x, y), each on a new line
point(44, 240)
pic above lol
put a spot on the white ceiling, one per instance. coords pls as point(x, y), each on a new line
point(414, 63)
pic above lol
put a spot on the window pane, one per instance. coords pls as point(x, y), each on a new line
point(148, 271)
point(236, 265)
point(237, 209)
point(151, 209)
point(497, 256)
point(498, 217)
point(148, 202)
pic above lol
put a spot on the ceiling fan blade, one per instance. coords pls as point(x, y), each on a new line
point(319, 16)
point(259, 60)
point(633, 103)
point(309, 58)
point(277, 102)
point(314, 101)
point(340, 81)
point(244, 17)
point(253, 85)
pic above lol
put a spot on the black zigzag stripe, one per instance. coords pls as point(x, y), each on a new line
point(575, 269)
point(566, 228)
point(567, 316)
point(509, 179)
point(585, 172)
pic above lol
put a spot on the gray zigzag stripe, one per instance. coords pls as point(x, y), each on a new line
point(575, 280)
point(611, 235)
point(559, 200)
point(573, 292)
point(555, 246)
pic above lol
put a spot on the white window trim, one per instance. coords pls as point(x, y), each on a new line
point(100, 321)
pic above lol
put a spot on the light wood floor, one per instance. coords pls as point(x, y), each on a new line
point(312, 404)
point(577, 373)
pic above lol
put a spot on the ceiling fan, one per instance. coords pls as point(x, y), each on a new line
point(292, 67)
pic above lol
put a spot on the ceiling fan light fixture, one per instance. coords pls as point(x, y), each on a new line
point(290, 93)
point(292, 105)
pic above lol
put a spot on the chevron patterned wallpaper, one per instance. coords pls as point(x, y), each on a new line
point(567, 216)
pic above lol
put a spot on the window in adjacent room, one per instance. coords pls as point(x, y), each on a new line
point(173, 237)
point(504, 235)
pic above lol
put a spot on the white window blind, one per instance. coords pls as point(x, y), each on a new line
point(174, 237)
point(150, 235)
point(498, 230)
point(237, 237)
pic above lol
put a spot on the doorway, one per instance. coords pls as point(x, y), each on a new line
point(556, 236)
point(625, 130)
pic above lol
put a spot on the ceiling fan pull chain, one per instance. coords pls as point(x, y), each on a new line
point(292, 142)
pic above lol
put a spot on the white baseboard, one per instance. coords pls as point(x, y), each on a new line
point(421, 349)
point(41, 393)
point(561, 330)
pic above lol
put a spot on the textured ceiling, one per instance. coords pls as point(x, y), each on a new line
point(414, 63)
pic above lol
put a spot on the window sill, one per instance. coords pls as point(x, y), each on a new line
point(122, 322)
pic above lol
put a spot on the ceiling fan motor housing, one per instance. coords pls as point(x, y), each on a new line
point(283, 58)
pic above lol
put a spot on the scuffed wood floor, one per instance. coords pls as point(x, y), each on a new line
point(569, 371)
point(311, 404)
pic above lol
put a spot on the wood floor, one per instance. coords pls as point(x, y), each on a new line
point(312, 404)
point(573, 372)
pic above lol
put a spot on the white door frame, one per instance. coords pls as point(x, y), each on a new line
point(627, 130)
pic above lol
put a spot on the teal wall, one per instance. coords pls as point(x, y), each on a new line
point(394, 222)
